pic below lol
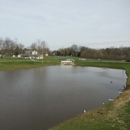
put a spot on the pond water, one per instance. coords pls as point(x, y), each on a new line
point(40, 98)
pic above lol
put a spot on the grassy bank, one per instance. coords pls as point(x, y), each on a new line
point(112, 116)
point(21, 63)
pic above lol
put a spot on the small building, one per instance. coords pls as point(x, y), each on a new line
point(34, 52)
point(39, 57)
point(20, 55)
point(32, 55)
point(70, 60)
point(67, 62)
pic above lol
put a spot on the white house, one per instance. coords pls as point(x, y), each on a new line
point(34, 52)
point(32, 55)
point(20, 55)
point(39, 57)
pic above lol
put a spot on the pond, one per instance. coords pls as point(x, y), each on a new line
point(40, 98)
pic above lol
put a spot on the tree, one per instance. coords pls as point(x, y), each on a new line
point(9, 46)
point(74, 50)
point(19, 49)
point(34, 46)
point(1, 43)
point(42, 47)
point(1, 46)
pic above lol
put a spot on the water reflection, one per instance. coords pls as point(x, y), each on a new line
point(37, 99)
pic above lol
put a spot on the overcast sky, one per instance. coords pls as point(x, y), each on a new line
point(61, 23)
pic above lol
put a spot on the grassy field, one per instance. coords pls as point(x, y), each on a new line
point(21, 63)
point(114, 115)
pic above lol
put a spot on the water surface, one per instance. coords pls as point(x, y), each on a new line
point(40, 98)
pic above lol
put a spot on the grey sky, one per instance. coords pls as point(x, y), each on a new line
point(61, 23)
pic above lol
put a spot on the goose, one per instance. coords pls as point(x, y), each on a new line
point(110, 99)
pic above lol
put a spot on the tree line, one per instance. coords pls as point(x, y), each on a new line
point(9, 47)
point(121, 53)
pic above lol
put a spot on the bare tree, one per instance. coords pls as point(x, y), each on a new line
point(19, 49)
point(1, 46)
point(42, 47)
point(9, 46)
point(74, 50)
point(34, 46)
point(1, 43)
point(21, 46)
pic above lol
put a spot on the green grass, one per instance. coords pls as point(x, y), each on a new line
point(115, 116)
point(21, 63)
